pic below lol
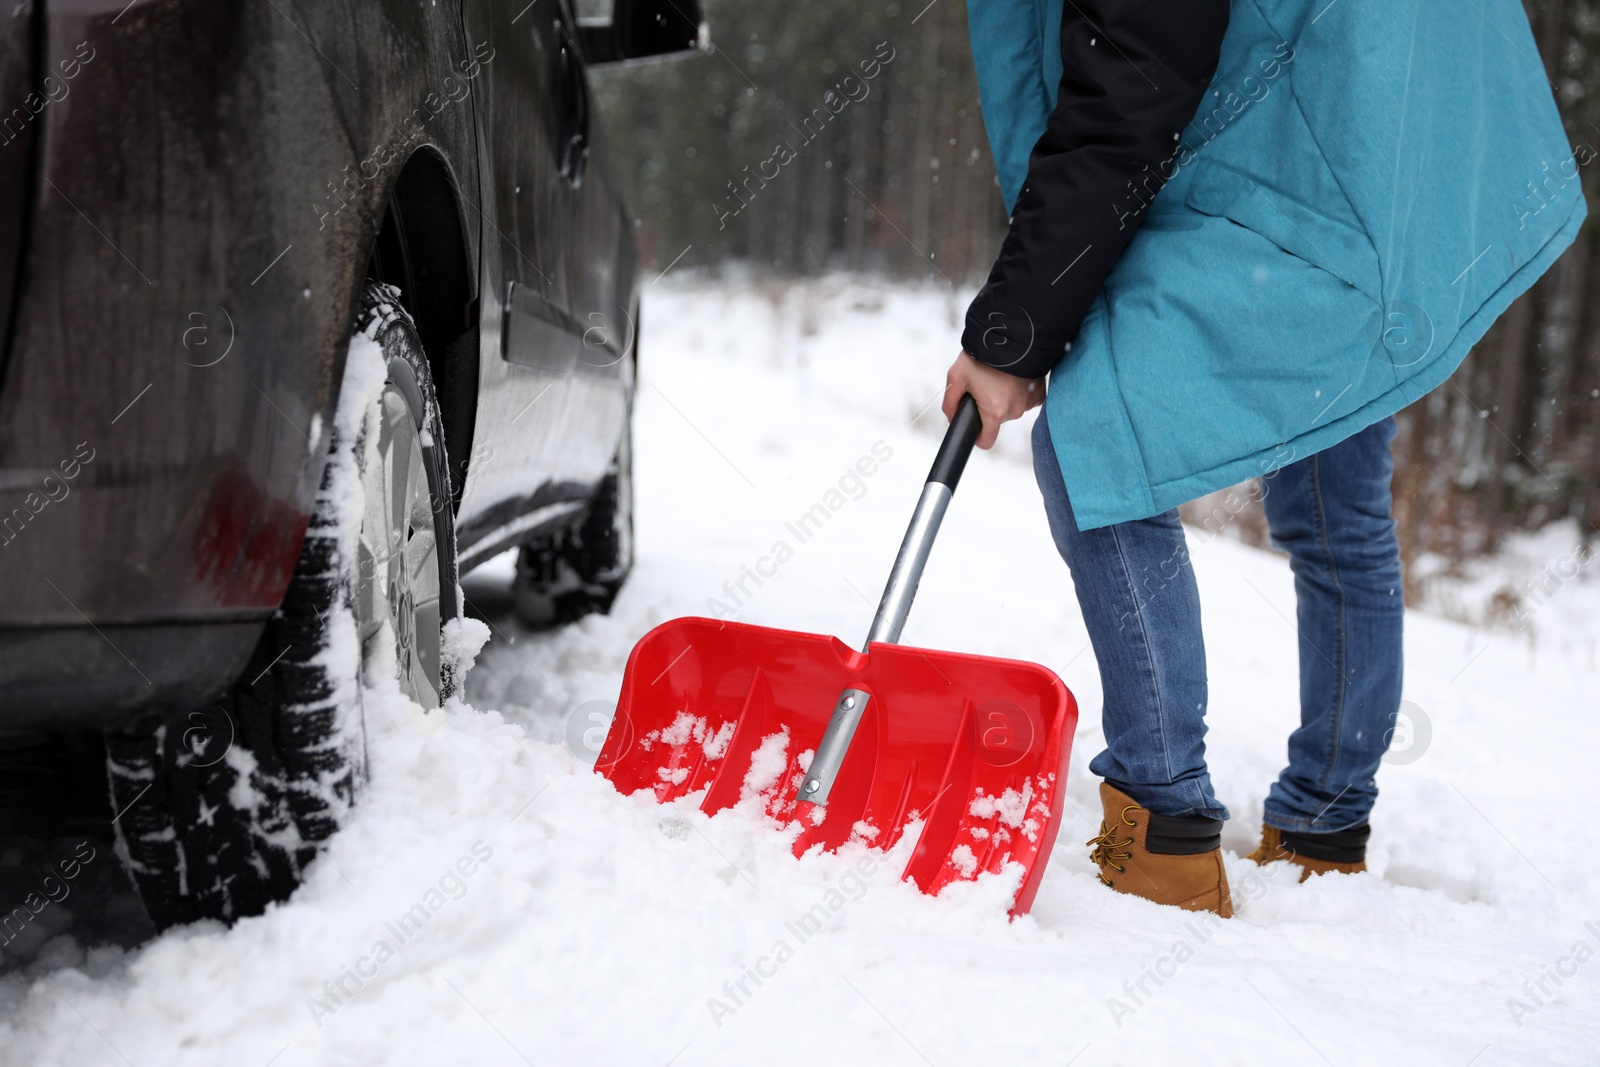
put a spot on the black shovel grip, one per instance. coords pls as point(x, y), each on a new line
point(957, 445)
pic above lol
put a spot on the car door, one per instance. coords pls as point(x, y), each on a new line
point(552, 393)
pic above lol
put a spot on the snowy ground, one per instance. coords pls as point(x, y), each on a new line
point(1524, 591)
point(597, 929)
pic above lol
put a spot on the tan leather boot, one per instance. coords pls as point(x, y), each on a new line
point(1196, 882)
point(1274, 848)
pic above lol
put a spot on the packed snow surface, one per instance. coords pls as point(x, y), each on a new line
point(493, 901)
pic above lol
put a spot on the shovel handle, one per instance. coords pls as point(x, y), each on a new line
point(898, 593)
point(957, 444)
point(941, 485)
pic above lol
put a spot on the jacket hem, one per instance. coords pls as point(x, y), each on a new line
point(1165, 495)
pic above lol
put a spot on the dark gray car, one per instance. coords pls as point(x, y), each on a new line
point(203, 203)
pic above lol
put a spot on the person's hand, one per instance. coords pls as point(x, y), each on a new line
point(1001, 397)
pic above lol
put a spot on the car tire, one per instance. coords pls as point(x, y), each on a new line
point(222, 809)
point(577, 571)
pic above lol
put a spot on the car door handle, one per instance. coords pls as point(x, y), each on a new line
point(572, 139)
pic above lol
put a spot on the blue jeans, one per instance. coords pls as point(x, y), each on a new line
point(1137, 591)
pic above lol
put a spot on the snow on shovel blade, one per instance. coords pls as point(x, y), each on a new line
point(975, 747)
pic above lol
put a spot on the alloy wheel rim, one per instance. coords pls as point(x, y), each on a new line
point(397, 582)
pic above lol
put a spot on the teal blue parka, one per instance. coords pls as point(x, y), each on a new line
point(1366, 186)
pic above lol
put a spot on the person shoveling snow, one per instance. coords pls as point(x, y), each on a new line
point(1328, 242)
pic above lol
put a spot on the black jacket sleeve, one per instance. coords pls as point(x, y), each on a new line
point(1134, 73)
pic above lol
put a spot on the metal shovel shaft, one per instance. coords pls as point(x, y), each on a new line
point(907, 572)
point(898, 593)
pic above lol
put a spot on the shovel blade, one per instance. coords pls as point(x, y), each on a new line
point(973, 747)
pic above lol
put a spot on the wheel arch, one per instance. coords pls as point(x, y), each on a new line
point(422, 249)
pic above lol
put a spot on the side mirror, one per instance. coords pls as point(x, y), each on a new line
point(643, 30)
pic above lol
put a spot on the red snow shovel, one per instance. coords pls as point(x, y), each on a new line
point(854, 746)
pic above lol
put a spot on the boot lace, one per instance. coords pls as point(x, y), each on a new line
point(1108, 848)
